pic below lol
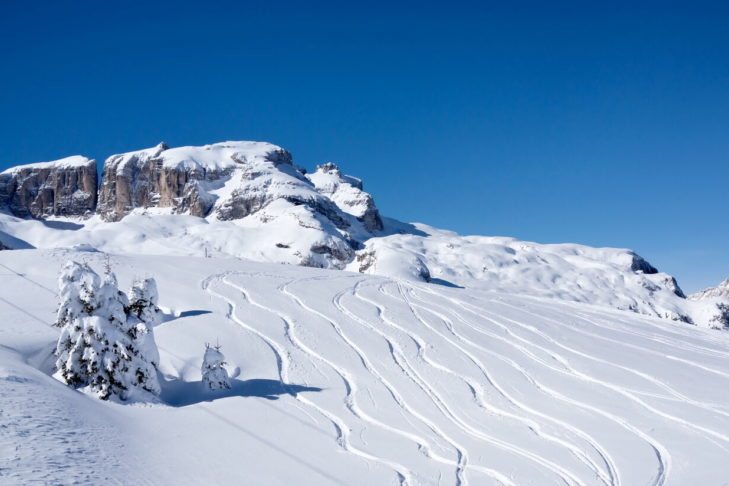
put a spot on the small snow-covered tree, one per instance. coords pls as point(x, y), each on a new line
point(144, 314)
point(77, 285)
point(214, 376)
point(98, 348)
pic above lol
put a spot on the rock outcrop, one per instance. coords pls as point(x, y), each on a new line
point(65, 187)
point(232, 181)
point(346, 192)
point(720, 291)
point(142, 180)
point(714, 304)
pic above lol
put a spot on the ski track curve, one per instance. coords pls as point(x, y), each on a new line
point(566, 476)
point(443, 316)
point(341, 428)
point(661, 453)
point(399, 359)
point(611, 476)
point(617, 388)
point(422, 443)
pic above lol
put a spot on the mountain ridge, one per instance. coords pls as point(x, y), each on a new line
point(249, 200)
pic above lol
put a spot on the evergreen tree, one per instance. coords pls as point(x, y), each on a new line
point(99, 348)
point(214, 376)
point(144, 314)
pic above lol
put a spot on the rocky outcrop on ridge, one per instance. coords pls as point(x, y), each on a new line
point(233, 181)
point(65, 187)
point(714, 304)
point(720, 291)
point(346, 191)
point(229, 180)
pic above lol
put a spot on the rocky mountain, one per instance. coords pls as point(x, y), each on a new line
point(238, 178)
point(720, 291)
point(65, 187)
point(253, 183)
point(249, 200)
point(713, 303)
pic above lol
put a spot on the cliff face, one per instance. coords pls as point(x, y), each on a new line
point(141, 180)
point(65, 187)
point(252, 181)
point(229, 180)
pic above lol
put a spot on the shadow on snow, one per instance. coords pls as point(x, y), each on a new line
point(178, 393)
point(168, 316)
point(445, 283)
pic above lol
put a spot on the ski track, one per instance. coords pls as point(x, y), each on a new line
point(608, 477)
point(438, 321)
point(619, 389)
point(421, 442)
point(566, 476)
point(284, 360)
point(660, 451)
point(400, 360)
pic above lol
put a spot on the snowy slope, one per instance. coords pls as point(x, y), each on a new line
point(285, 233)
point(344, 378)
point(613, 277)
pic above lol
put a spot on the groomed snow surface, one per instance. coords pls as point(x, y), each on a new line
point(343, 378)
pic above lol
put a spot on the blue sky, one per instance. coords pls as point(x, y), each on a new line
point(603, 125)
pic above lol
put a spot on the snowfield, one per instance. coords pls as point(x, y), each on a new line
point(345, 378)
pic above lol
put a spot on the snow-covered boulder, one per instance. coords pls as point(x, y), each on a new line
point(346, 191)
point(65, 187)
point(395, 261)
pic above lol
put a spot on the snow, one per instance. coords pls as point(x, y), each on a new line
point(603, 276)
point(64, 163)
point(215, 157)
point(345, 378)
point(283, 232)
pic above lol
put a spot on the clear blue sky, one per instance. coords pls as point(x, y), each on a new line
point(603, 125)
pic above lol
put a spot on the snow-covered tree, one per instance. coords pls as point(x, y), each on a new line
point(77, 286)
point(214, 376)
point(99, 348)
point(144, 314)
